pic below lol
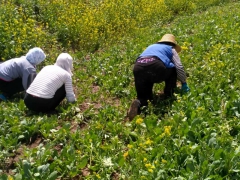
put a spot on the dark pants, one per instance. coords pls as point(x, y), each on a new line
point(9, 88)
point(44, 105)
point(151, 71)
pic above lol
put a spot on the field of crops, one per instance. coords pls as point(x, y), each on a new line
point(196, 136)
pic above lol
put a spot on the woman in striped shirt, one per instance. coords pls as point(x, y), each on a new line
point(51, 85)
point(159, 62)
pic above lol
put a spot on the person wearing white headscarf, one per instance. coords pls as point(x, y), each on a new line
point(51, 85)
point(15, 73)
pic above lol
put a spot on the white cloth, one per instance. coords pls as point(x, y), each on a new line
point(65, 61)
point(49, 80)
point(35, 56)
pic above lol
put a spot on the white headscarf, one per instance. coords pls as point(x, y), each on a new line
point(35, 56)
point(65, 61)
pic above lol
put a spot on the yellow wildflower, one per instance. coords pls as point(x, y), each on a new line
point(164, 161)
point(184, 48)
point(125, 155)
point(130, 146)
point(10, 178)
point(182, 113)
point(162, 135)
point(200, 108)
point(150, 170)
point(148, 165)
point(167, 130)
point(78, 151)
point(148, 142)
point(139, 121)
point(98, 176)
point(145, 159)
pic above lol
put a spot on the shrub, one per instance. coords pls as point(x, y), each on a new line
point(20, 32)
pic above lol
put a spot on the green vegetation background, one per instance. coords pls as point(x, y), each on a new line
point(194, 137)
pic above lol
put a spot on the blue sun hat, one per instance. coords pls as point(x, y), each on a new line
point(35, 56)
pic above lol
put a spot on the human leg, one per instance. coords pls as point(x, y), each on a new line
point(170, 81)
point(143, 83)
point(145, 75)
point(36, 103)
point(58, 97)
point(9, 88)
point(155, 72)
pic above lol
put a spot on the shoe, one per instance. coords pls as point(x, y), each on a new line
point(2, 97)
point(134, 109)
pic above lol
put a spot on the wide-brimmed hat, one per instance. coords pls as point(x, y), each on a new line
point(171, 38)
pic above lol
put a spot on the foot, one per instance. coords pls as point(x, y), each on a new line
point(134, 109)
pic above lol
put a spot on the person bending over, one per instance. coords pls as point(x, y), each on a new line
point(17, 74)
point(51, 85)
point(158, 63)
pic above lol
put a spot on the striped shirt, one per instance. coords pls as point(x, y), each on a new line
point(179, 67)
point(49, 80)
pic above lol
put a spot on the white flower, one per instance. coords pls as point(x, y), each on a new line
point(107, 162)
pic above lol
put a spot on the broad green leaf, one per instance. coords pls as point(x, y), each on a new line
point(52, 176)
point(83, 162)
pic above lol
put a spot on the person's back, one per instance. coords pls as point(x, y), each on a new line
point(52, 84)
point(48, 80)
point(17, 74)
point(15, 68)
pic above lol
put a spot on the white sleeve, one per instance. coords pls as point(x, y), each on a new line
point(69, 90)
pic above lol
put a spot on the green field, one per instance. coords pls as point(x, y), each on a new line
point(195, 137)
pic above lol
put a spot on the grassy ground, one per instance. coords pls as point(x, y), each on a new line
point(193, 137)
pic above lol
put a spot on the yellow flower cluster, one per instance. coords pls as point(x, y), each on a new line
point(167, 131)
point(98, 176)
point(10, 178)
point(139, 121)
point(20, 32)
point(82, 25)
point(130, 146)
point(164, 161)
point(148, 142)
point(200, 108)
point(150, 167)
point(125, 155)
